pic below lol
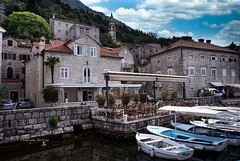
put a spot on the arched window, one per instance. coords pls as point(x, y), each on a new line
point(86, 75)
point(9, 72)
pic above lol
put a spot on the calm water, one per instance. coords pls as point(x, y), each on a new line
point(92, 147)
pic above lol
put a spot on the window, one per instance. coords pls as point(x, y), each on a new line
point(37, 73)
point(64, 72)
point(9, 72)
point(93, 52)
point(191, 71)
point(66, 26)
point(190, 57)
point(203, 71)
point(59, 24)
point(79, 50)
point(158, 62)
point(95, 30)
point(29, 76)
point(233, 73)
point(81, 30)
point(66, 33)
point(87, 75)
point(202, 57)
point(85, 50)
point(87, 30)
point(10, 43)
point(213, 58)
point(224, 72)
point(10, 56)
point(214, 74)
point(233, 60)
point(223, 59)
point(59, 32)
point(169, 59)
point(170, 72)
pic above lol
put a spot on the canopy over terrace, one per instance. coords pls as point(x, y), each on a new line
point(195, 111)
point(143, 77)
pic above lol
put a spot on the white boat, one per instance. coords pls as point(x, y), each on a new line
point(198, 142)
point(218, 124)
point(162, 147)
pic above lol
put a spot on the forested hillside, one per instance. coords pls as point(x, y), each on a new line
point(80, 14)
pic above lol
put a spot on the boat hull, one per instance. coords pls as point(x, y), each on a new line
point(174, 151)
point(233, 137)
point(197, 142)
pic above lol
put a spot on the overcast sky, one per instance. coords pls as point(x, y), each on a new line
point(217, 20)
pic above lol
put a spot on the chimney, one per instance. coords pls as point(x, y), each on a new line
point(41, 44)
point(186, 38)
point(200, 40)
point(208, 41)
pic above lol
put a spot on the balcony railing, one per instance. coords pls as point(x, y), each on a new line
point(127, 66)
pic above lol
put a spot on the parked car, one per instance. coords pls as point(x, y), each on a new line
point(23, 103)
point(209, 92)
point(7, 104)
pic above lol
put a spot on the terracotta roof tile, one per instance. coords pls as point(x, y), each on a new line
point(110, 52)
point(55, 45)
point(196, 45)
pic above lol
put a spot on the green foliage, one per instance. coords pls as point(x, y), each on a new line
point(136, 69)
point(174, 95)
point(112, 100)
point(100, 100)
point(53, 121)
point(135, 97)
point(50, 95)
point(26, 25)
point(125, 99)
point(107, 40)
point(165, 96)
point(52, 62)
point(2, 88)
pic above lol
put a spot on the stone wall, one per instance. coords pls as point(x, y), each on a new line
point(27, 124)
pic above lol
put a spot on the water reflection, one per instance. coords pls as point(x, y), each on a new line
point(96, 148)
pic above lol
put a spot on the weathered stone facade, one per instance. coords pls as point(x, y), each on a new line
point(201, 62)
point(66, 30)
point(14, 53)
point(27, 124)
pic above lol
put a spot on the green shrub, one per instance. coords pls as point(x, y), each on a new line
point(125, 99)
point(135, 97)
point(165, 96)
point(50, 95)
point(111, 99)
point(53, 121)
point(100, 100)
point(174, 95)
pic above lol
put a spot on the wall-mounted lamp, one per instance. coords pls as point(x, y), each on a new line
point(87, 63)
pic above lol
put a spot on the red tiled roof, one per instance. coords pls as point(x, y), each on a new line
point(110, 52)
point(56, 45)
point(196, 45)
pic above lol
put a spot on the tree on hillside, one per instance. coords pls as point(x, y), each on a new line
point(26, 25)
point(52, 62)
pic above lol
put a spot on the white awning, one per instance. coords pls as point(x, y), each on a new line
point(66, 85)
point(144, 77)
point(234, 85)
point(194, 111)
point(217, 84)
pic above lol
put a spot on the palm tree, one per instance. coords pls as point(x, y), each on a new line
point(51, 62)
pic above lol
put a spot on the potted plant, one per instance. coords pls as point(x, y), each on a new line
point(100, 99)
point(135, 97)
point(112, 100)
point(125, 99)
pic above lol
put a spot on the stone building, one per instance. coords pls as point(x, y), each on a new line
point(66, 30)
point(79, 74)
point(14, 53)
point(127, 62)
point(205, 64)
